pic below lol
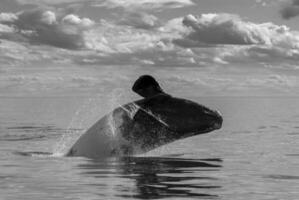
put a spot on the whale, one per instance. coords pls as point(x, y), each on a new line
point(143, 125)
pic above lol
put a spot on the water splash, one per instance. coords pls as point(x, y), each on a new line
point(82, 115)
point(115, 120)
point(79, 119)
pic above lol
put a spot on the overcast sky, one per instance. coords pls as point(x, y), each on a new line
point(200, 33)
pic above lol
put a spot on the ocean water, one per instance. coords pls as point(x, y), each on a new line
point(254, 156)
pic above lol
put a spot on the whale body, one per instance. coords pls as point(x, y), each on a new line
point(143, 125)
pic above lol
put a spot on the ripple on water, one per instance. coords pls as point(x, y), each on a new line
point(32, 128)
point(241, 132)
point(282, 177)
point(12, 138)
point(158, 177)
point(32, 132)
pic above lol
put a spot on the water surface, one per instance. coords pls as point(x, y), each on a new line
point(254, 156)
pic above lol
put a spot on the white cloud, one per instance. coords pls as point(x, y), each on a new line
point(210, 39)
point(259, 55)
point(145, 4)
point(48, 17)
point(140, 20)
point(127, 4)
point(6, 29)
point(46, 27)
point(49, 2)
point(112, 38)
point(14, 53)
point(230, 29)
point(8, 17)
point(227, 38)
point(76, 20)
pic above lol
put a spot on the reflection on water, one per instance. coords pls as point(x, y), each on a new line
point(33, 153)
point(158, 177)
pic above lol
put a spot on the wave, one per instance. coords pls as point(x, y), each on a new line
point(35, 133)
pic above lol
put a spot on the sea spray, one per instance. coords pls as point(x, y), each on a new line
point(116, 95)
point(80, 118)
point(116, 120)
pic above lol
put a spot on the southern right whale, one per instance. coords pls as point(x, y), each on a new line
point(143, 125)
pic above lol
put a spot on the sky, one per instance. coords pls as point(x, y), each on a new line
point(223, 46)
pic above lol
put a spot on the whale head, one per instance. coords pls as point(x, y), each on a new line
point(183, 117)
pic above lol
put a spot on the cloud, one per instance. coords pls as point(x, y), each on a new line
point(259, 56)
point(142, 39)
point(226, 29)
point(72, 19)
point(48, 18)
point(4, 29)
point(220, 29)
point(140, 20)
point(145, 4)
point(269, 2)
point(229, 39)
point(290, 9)
point(145, 57)
point(48, 2)
point(8, 17)
point(46, 27)
point(15, 53)
point(126, 4)
point(262, 2)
